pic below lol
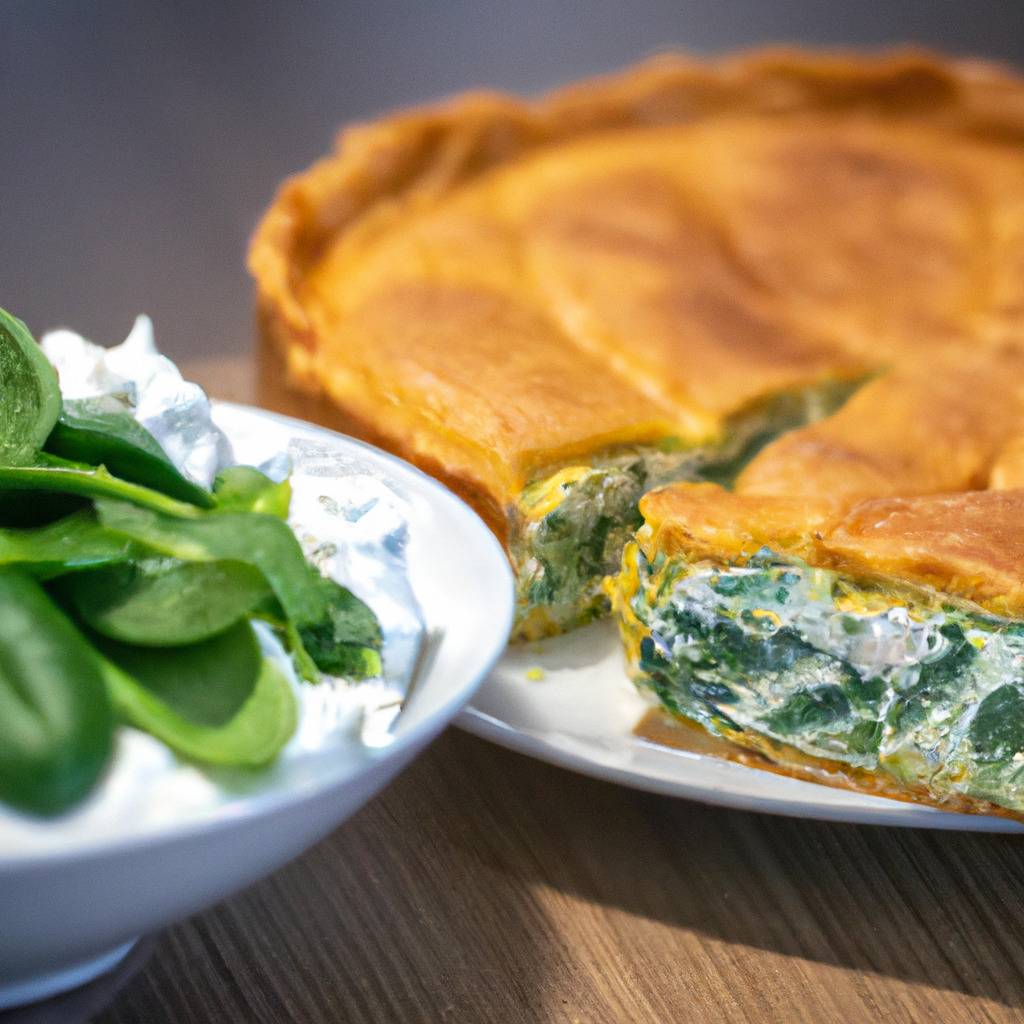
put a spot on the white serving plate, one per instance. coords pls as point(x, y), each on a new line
point(581, 715)
point(75, 892)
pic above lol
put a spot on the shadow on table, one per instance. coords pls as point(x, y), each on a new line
point(932, 907)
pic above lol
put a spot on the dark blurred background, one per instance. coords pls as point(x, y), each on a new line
point(139, 140)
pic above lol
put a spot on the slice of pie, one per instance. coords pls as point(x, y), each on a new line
point(878, 646)
point(555, 306)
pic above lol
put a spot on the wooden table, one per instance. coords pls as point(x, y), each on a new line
point(484, 886)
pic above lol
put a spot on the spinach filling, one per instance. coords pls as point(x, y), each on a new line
point(928, 692)
point(589, 512)
point(563, 556)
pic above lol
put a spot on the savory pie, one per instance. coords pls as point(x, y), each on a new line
point(555, 306)
point(782, 295)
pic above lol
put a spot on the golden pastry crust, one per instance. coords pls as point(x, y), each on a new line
point(924, 427)
point(699, 521)
point(494, 286)
point(969, 545)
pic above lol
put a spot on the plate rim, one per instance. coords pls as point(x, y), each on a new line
point(887, 812)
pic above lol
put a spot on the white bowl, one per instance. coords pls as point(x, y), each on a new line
point(74, 894)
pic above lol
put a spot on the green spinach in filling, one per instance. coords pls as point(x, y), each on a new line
point(562, 557)
point(930, 693)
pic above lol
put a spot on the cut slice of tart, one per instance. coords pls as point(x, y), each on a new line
point(878, 646)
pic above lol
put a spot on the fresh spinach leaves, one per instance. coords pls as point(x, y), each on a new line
point(246, 489)
point(74, 543)
point(50, 473)
point(156, 602)
point(263, 541)
point(89, 432)
point(205, 682)
point(347, 640)
point(218, 702)
point(56, 725)
point(127, 591)
point(328, 624)
point(29, 393)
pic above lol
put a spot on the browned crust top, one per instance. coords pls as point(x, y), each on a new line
point(384, 168)
point(428, 150)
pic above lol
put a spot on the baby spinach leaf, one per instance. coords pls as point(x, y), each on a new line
point(207, 706)
point(29, 393)
point(347, 641)
point(257, 539)
point(88, 432)
point(53, 474)
point(56, 726)
point(165, 602)
point(70, 544)
point(246, 489)
point(327, 627)
point(206, 682)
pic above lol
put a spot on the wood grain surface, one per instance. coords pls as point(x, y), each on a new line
point(484, 886)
